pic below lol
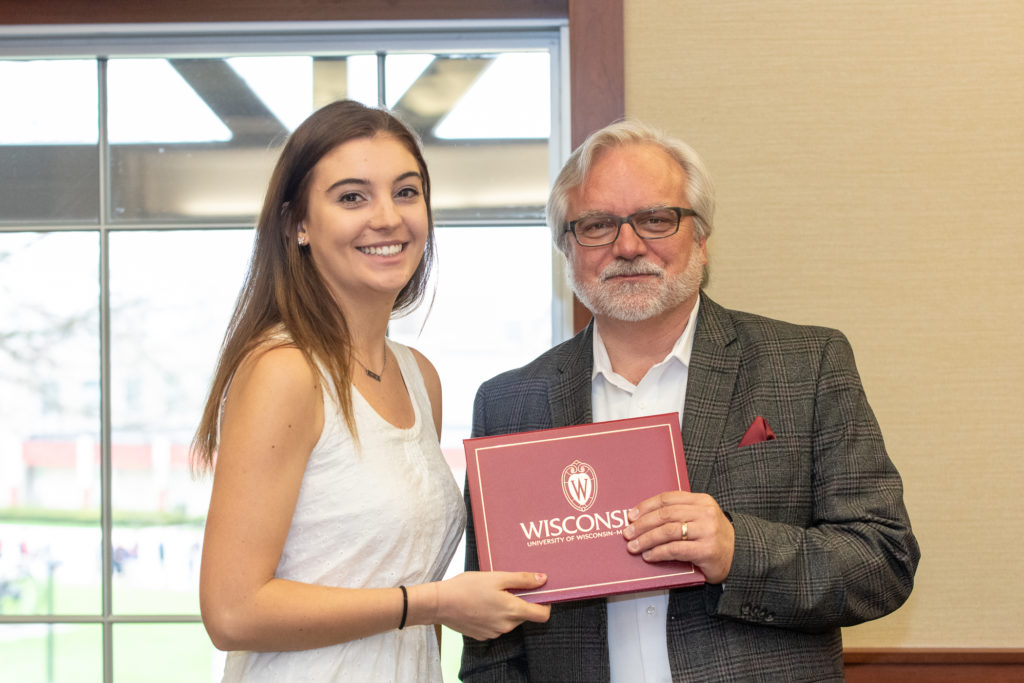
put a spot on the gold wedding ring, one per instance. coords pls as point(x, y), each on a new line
point(682, 531)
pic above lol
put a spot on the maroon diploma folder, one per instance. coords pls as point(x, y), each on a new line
point(556, 501)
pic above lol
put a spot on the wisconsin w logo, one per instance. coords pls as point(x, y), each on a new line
point(579, 484)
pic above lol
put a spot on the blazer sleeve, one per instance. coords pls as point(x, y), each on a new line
point(833, 553)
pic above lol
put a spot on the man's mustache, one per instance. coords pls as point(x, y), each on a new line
point(638, 266)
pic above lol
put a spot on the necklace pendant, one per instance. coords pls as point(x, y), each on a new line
point(370, 373)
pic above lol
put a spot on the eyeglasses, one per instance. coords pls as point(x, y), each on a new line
point(649, 224)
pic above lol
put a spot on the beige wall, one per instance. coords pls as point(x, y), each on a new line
point(869, 159)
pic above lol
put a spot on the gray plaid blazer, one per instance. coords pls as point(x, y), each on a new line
point(823, 539)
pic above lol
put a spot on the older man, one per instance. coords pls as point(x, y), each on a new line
point(796, 517)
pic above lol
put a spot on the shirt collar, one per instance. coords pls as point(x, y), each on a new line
point(681, 350)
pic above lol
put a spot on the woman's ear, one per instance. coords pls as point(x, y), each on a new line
point(303, 237)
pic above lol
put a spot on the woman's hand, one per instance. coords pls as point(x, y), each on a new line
point(479, 605)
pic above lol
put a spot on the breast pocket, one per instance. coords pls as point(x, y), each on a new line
point(771, 480)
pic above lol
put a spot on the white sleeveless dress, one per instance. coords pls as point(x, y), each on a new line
point(379, 515)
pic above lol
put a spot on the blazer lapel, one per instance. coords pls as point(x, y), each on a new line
point(569, 390)
point(714, 363)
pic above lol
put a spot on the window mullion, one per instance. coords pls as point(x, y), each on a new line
point(382, 91)
point(106, 535)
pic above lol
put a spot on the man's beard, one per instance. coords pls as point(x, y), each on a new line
point(637, 301)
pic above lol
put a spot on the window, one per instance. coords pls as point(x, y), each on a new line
point(131, 170)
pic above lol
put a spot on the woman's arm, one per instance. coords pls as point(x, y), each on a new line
point(272, 418)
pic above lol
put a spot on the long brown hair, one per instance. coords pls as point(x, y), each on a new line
point(283, 288)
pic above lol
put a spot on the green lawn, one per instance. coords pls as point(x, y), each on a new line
point(143, 653)
point(73, 652)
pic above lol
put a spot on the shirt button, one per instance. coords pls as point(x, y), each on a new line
point(651, 610)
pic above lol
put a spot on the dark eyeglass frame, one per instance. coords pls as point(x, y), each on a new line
point(678, 210)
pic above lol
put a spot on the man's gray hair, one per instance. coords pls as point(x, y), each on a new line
point(699, 190)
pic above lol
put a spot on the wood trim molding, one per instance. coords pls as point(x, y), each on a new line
point(895, 655)
point(131, 11)
point(598, 61)
point(598, 80)
point(936, 665)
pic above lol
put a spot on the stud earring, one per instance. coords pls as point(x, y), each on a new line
point(302, 240)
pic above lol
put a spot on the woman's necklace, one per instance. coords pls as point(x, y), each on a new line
point(370, 373)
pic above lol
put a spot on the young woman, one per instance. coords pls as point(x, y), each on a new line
point(333, 515)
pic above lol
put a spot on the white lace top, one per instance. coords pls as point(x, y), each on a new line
point(386, 513)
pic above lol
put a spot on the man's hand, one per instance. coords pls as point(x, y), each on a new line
point(679, 525)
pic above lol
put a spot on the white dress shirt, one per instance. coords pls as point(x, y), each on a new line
point(637, 621)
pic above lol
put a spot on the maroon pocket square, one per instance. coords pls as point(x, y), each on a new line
point(757, 432)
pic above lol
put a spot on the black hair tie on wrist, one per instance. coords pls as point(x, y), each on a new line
point(405, 607)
